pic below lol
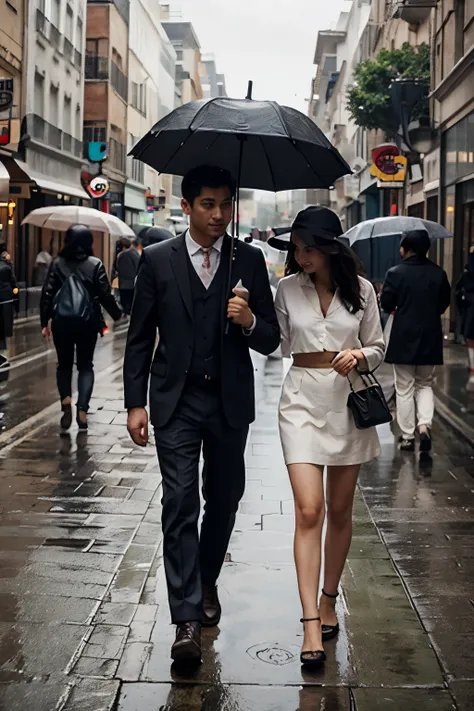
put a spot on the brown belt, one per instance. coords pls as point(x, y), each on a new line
point(314, 360)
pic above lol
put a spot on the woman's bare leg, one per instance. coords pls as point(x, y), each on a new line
point(308, 490)
point(340, 489)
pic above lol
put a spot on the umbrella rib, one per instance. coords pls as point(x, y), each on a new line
point(277, 110)
point(270, 167)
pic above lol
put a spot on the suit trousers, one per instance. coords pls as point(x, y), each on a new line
point(415, 399)
point(191, 560)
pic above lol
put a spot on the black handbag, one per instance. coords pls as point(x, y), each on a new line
point(369, 407)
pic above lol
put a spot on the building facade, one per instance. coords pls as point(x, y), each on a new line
point(52, 128)
point(151, 96)
point(11, 113)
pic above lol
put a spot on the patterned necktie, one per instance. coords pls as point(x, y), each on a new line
point(205, 272)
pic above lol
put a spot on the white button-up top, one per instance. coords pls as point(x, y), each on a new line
point(304, 329)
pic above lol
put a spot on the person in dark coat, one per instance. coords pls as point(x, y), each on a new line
point(201, 390)
point(76, 259)
point(418, 291)
point(465, 304)
point(8, 306)
point(127, 267)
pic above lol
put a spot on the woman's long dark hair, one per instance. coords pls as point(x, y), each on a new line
point(78, 243)
point(343, 268)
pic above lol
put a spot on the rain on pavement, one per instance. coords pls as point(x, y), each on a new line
point(84, 623)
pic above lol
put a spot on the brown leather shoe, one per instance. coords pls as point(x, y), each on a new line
point(211, 607)
point(187, 645)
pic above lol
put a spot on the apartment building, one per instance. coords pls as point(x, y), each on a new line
point(106, 94)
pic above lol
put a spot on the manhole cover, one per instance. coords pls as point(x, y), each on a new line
point(274, 653)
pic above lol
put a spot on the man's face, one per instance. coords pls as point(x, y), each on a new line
point(211, 212)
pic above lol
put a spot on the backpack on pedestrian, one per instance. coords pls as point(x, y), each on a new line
point(73, 307)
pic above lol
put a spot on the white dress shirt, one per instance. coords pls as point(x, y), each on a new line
point(197, 254)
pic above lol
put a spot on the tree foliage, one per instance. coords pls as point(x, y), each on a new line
point(369, 100)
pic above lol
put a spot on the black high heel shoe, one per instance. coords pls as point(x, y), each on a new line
point(66, 419)
point(330, 631)
point(312, 660)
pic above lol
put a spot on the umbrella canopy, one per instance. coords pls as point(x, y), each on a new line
point(263, 145)
point(62, 217)
point(393, 226)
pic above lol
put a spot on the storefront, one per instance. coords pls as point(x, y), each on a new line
point(457, 194)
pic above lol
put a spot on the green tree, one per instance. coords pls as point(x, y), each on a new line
point(369, 100)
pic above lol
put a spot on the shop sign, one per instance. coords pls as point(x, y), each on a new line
point(98, 187)
point(388, 166)
point(6, 94)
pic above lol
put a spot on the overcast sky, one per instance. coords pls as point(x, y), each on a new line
point(269, 41)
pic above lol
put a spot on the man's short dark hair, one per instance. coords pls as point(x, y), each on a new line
point(205, 176)
point(417, 241)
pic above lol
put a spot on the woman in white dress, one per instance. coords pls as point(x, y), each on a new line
point(330, 325)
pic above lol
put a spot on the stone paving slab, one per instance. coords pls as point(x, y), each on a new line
point(168, 697)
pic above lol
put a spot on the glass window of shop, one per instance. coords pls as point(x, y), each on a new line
point(459, 150)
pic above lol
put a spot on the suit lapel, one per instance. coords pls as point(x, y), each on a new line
point(180, 266)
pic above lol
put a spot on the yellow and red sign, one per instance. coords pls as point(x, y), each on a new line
point(388, 166)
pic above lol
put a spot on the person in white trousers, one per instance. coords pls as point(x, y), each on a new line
point(418, 291)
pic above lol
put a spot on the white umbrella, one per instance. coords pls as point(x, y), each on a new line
point(61, 217)
point(393, 226)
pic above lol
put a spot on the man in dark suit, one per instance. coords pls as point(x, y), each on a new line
point(202, 389)
point(419, 292)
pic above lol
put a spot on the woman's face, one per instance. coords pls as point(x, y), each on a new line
point(311, 260)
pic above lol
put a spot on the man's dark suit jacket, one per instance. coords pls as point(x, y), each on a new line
point(418, 291)
point(163, 301)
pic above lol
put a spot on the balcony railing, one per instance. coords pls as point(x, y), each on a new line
point(97, 67)
point(119, 81)
point(55, 37)
point(68, 50)
point(52, 136)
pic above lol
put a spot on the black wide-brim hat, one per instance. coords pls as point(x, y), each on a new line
point(317, 225)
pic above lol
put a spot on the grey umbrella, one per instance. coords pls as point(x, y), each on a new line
point(390, 226)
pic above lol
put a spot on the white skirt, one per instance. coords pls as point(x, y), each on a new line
point(316, 426)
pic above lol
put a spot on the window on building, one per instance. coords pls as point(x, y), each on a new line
point(79, 33)
point(179, 55)
point(139, 97)
point(54, 105)
point(67, 115)
point(117, 58)
point(78, 123)
point(56, 13)
point(38, 100)
point(459, 10)
point(69, 24)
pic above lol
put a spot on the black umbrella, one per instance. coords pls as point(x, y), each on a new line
point(263, 145)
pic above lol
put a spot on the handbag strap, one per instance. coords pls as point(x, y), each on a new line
point(367, 378)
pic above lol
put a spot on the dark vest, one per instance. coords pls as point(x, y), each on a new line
point(205, 363)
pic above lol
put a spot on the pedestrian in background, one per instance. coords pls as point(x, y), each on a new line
point(202, 389)
point(465, 304)
point(41, 268)
point(75, 289)
point(127, 266)
point(9, 301)
point(418, 291)
point(330, 324)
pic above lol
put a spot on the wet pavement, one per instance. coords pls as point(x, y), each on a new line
point(84, 624)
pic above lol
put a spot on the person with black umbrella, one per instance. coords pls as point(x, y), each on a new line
point(202, 388)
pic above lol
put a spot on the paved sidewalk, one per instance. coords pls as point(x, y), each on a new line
point(84, 624)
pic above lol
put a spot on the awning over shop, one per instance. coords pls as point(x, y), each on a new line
point(4, 183)
point(45, 183)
